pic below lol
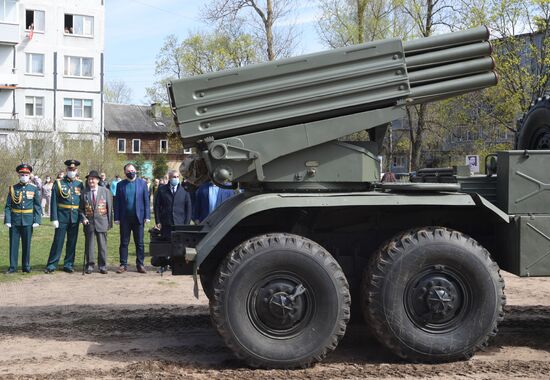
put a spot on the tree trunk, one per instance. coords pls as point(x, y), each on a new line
point(269, 31)
point(361, 5)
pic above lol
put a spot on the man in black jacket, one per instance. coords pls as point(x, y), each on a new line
point(172, 205)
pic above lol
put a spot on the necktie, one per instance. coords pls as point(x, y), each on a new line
point(173, 189)
point(93, 197)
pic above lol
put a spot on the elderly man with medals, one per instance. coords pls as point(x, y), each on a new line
point(21, 214)
point(65, 217)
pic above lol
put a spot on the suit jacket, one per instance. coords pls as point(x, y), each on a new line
point(201, 206)
point(100, 215)
point(143, 210)
point(23, 205)
point(172, 209)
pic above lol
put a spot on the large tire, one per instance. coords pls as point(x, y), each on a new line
point(207, 280)
point(433, 295)
point(280, 301)
point(534, 128)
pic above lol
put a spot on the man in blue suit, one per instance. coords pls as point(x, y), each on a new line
point(207, 197)
point(131, 212)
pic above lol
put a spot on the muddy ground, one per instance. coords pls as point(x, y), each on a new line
point(148, 327)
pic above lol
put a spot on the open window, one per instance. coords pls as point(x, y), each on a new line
point(79, 25)
point(35, 20)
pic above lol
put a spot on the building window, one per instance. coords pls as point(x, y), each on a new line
point(78, 108)
point(35, 63)
point(121, 145)
point(35, 20)
point(163, 146)
point(136, 146)
point(188, 151)
point(79, 66)
point(34, 106)
point(79, 25)
point(8, 11)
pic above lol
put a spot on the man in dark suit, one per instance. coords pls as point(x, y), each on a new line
point(132, 211)
point(207, 197)
point(96, 213)
point(172, 205)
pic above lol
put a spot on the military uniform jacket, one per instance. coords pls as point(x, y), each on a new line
point(100, 215)
point(23, 205)
point(66, 200)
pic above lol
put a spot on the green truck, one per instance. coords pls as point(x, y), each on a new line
point(313, 228)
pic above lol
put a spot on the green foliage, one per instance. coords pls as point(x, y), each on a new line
point(160, 166)
point(139, 163)
point(200, 53)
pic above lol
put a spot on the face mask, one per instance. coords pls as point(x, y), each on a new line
point(47, 179)
point(174, 181)
point(131, 175)
point(71, 174)
point(24, 178)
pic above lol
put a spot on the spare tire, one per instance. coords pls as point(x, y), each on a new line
point(534, 129)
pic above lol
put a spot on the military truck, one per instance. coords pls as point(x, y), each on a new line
point(313, 227)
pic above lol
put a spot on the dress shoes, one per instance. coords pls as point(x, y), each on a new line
point(141, 269)
point(68, 270)
point(103, 270)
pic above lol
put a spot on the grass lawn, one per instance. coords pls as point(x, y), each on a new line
point(40, 249)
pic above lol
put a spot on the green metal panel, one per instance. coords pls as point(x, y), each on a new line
point(524, 245)
point(523, 184)
point(290, 91)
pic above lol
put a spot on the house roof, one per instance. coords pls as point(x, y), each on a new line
point(134, 119)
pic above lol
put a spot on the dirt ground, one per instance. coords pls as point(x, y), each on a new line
point(148, 327)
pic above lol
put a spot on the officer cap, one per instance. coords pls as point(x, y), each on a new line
point(72, 163)
point(93, 173)
point(24, 168)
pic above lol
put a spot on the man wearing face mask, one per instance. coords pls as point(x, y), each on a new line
point(21, 214)
point(172, 205)
point(46, 196)
point(132, 210)
point(65, 217)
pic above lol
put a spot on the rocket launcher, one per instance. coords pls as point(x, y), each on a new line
point(278, 124)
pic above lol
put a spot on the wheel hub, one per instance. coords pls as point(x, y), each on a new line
point(436, 299)
point(281, 304)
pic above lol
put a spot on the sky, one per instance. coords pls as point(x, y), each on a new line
point(135, 31)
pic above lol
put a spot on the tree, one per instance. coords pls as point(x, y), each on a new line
point(199, 54)
point(117, 92)
point(349, 22)
point(160, 166)
point(263, 21)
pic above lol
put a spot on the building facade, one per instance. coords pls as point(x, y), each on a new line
point(51, 69)
point(141, 133)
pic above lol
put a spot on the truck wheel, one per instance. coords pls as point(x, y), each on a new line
point(534, 131)
point(433, 295)
point(280, 301)
point(207, 286)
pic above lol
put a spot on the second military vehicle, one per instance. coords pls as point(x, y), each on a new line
point(314, 233)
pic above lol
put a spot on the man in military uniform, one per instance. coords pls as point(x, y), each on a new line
point(21, 214)
point(65, 217)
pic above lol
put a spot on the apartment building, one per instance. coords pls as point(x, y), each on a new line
point(51, 69)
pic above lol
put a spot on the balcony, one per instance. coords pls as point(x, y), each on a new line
point(8, 124)
point(9, 33)
point(8, 79)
